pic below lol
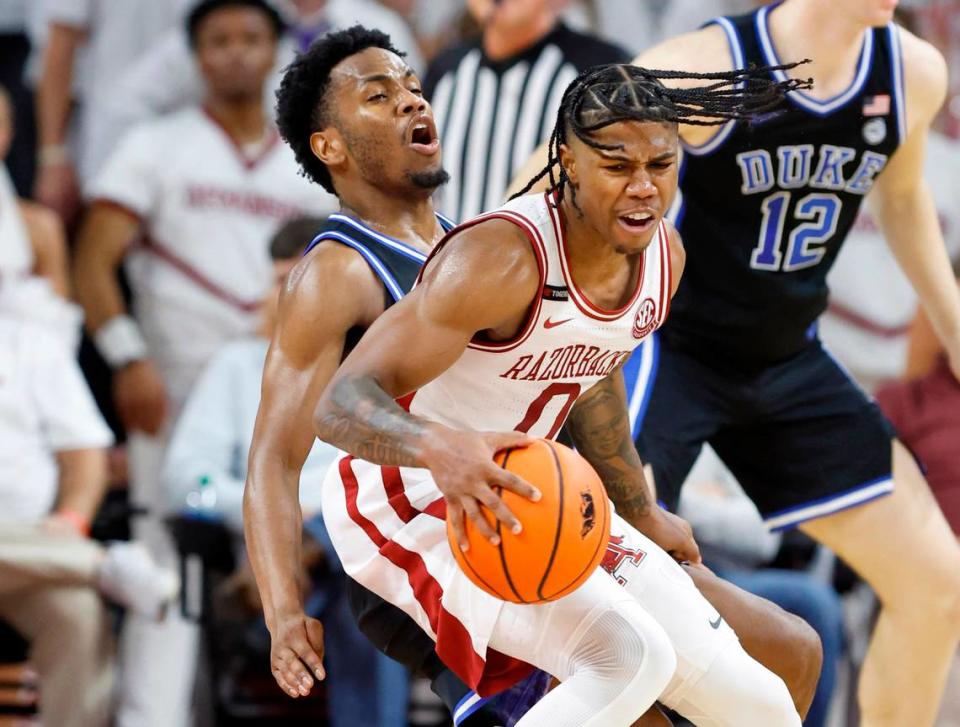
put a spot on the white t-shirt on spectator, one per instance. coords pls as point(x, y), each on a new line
point(212, 437)
point(45, 408)
point(871, 301)
point(207, 213)
point(16, 252)
point(117, 34)
point(166, 78)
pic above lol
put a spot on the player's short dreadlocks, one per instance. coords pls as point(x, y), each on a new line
point(604, 95)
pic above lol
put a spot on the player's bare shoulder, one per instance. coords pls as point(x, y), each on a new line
point(492, 251)
point(487, 268)
point(331, 288)
point(925, 78)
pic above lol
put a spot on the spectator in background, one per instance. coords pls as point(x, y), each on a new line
point(166, 78)
point(31, 237)
point(52, 478)
point(208, 449)
point(209, 443)
point(496, 98)
point(14, 52)
point(925, 409)
point(86, 46)
point(203, 189)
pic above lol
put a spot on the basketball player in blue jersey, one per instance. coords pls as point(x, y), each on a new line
point(360, 263)
point(378, 152)
point(763, 211)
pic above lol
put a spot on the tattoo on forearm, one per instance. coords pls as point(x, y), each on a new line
point(364, 420)
point(600, 428)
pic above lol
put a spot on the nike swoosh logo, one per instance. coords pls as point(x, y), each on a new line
point(716, 624)
point(553, 324)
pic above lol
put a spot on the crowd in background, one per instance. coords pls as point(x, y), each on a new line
point(146, 197)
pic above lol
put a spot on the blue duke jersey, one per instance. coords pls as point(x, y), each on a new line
point(764, 206)
point(393, 261)
point(566, 345)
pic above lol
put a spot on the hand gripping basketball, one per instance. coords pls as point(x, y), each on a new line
point(565, 534)
point(463, 468)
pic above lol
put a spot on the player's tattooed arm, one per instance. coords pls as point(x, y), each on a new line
point(364, 420)
point(600, 428)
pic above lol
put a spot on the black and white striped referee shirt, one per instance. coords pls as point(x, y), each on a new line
point(492, 115)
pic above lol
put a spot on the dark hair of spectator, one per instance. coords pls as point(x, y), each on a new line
point(608, 94)
point(293, 236)
point(301, 102)
point(204, 8)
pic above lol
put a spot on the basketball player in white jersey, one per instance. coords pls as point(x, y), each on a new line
point(188, 203)
point(523, 316)
point(386, 228)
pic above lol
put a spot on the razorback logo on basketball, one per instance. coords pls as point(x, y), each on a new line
point(646, 319)
point(618, 557)
point(588, 512)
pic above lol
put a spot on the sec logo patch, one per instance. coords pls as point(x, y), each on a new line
point(646, 319)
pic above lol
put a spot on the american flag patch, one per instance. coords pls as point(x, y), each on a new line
point(878, 105)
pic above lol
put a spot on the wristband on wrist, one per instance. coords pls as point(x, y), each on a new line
point(120, 342)
point(49, 156)
point(78, 520)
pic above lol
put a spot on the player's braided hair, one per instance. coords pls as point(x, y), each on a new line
point(607, 94)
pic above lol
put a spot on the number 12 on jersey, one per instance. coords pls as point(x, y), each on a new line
point(817, 214)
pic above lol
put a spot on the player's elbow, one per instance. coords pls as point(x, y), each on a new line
point(324, 419)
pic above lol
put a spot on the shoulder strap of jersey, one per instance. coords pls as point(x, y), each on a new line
point(394, 262)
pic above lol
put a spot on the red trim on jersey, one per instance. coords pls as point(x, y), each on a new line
point(665, 273)
point(453, 645)
point(396, 495)
point(669, 282)
point(437, 509)
point(540, 252)
point(201, 280)
point(248, 162)
point(580, 298)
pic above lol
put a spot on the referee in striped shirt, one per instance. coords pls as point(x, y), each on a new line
point(495, 98)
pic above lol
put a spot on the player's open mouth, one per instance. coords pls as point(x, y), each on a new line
point(637, 222)
point(423, 136)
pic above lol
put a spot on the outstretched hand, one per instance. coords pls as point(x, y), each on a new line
point(296, 654)
point(463, 469)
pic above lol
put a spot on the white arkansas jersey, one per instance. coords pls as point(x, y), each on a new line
point(207, 209)
point(530, 383)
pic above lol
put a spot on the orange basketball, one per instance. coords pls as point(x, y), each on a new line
point(564, 535)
